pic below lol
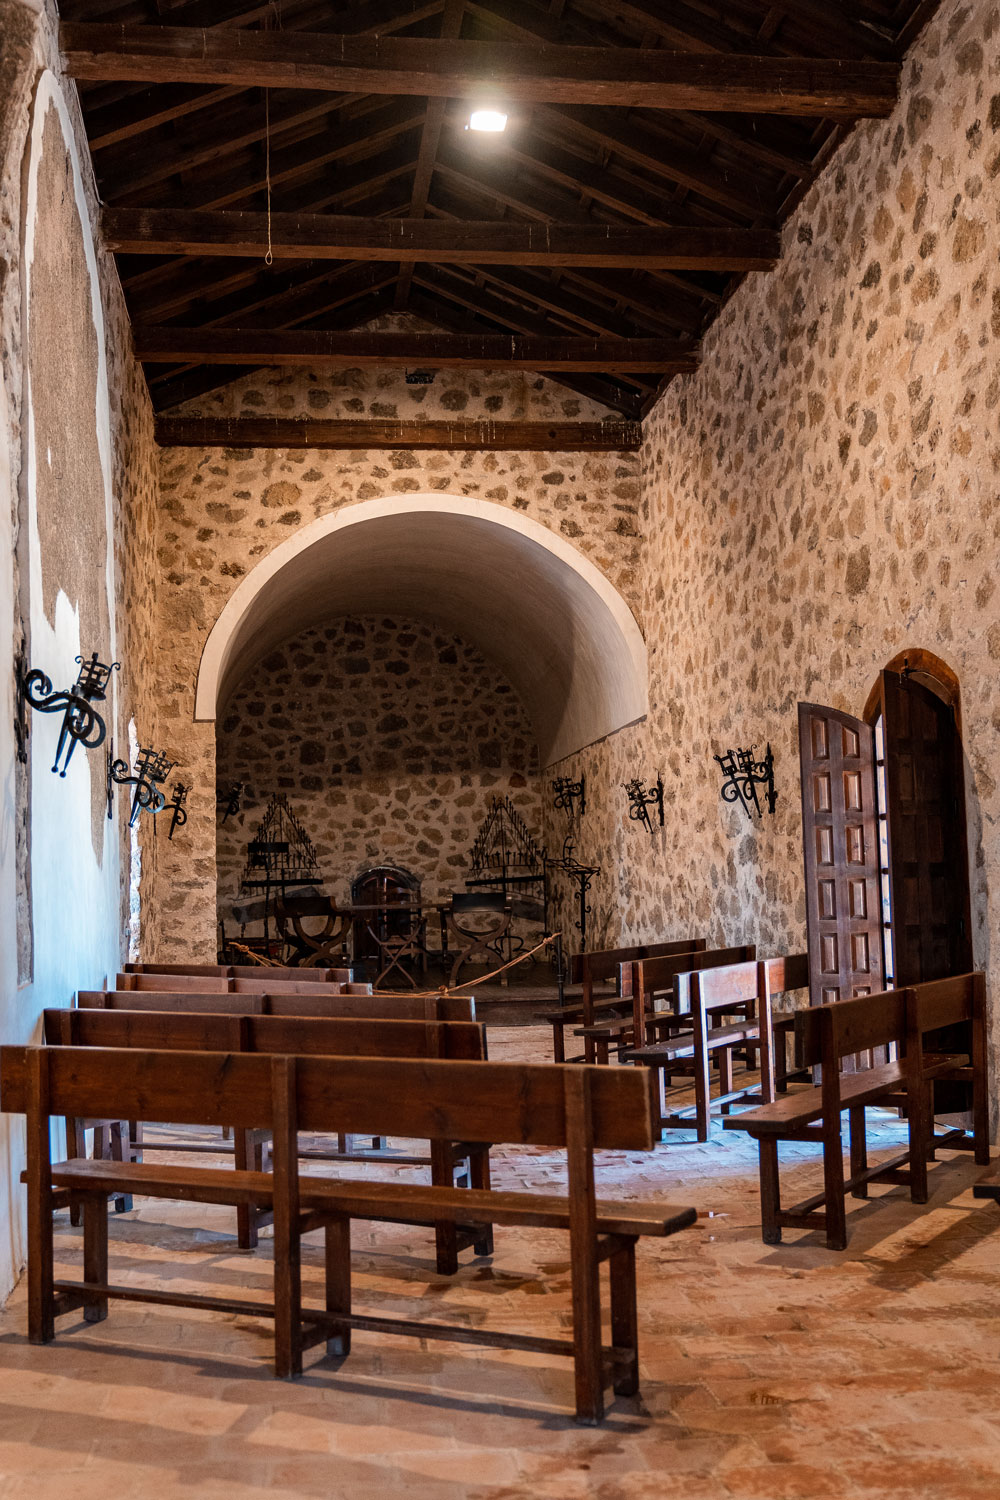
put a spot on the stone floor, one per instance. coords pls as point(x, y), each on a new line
point(767, 1372)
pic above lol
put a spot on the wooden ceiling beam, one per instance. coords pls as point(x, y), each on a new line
point(334, 349)
point(465, 436)
point(339, 237)
point(637, 78)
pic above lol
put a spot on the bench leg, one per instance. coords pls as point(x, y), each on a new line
point(859, 1148)
point(770, 1190)
point(920, 1126)
point(833, 1185)
point(725, 1076)
point(558, 1042)
point(246, 1213)
point(95, 1253)
point(702, 1080)
point(338, 1282)
point(445, 1232)
point(624, 1317)
point(479, 1177)
point(76, 1145)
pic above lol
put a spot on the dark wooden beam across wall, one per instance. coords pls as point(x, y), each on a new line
point(288, 432)
point(511, 71)
point(323, 348)
point(140, 231)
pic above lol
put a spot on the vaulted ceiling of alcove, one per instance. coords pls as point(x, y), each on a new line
point(572, 653)
point(176, 146)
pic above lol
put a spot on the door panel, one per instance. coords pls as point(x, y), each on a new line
point(840, 841)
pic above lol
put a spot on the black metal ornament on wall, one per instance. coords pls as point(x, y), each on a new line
point(642, 798)
point(567, 792)
point(229, 799)
point(742, 775)
point(82, 724)
point(176, 803)
point(151, 769)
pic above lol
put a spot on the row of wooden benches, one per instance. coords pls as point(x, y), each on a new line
point(277, 1076)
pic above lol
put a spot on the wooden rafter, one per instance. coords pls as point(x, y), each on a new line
point(290, 432)
point(453, 68)
point(337, 237)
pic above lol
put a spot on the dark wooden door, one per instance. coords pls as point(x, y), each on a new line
point(840, 841)
point(928, 858)
point(928, 853)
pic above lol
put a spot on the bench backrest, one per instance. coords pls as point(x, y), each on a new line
point(261, 983)
point(843, 1028)
point(717, 986)
point(537, 1104)
point(244, 971)
point(329, 1002)
point(194, 1032)
point(604, 963)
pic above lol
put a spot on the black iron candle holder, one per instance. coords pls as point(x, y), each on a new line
point(82, 724)
point(741, 777)
point(230, 799)
point(176, 803)
point(151, 769)
point(642, 798)
point(567, 792)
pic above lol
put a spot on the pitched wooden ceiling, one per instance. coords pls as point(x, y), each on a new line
point(603, 236)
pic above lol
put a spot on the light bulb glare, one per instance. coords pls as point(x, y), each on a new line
point(487, 119)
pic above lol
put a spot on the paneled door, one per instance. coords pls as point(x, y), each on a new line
point(840, 839)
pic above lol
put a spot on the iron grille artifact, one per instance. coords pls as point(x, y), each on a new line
point(280, 853)
point(505, 857)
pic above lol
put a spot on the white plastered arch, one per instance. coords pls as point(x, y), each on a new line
point(549, 618)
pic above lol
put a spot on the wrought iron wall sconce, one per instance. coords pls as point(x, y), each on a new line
point(567, 792)
point(742, 775)
point(82, 724)
point(230, 799)
point(177, 802)
point(151, 769)
point(642, 798)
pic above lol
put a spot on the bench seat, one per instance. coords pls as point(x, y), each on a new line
point(871, 1086)
point(389, 1202)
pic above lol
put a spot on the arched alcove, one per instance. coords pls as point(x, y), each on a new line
point(549, 619)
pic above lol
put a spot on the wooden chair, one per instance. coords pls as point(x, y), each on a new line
point(322, 946)
point(577, 1110)
point(343, 1037)
point(723, 1010)
point(847, 1029)
point(484, 943)
point(589, 970)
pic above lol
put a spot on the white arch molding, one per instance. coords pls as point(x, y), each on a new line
point(552, 622)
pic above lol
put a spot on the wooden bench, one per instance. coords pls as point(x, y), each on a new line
point(244, 971)
point(576, 1109)
point(643, 981)
point(723, 1010)
point(327, 1001)
point(350, 1037)
point(588, 969)
point(217, 984)
point(827, 1034)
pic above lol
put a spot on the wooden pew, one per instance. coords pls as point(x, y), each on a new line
point(244, 971)
point(643, 981)
point(328, 1002)
point(574, 1109)
point(723, 1010)
point(219, 984)
point(588, 969)
point(826, 1034)
point(344, 1037)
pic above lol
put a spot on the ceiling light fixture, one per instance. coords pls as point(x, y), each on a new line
point(488, 120)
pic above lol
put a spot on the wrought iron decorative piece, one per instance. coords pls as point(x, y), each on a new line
point(567, 792)
point(279, 855)
point(177, 802)
point(642, 798)
point(81, 724)
point(419, 377)
point(151, 769)
point(741, 777)
point(230, 798)
point(584, 876)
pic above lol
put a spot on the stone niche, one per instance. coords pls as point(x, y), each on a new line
point(389, 738)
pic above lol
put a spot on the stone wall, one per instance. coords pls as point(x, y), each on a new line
point(77, 496)
point(389, 739)
point(823, 494)
point(223, 511)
